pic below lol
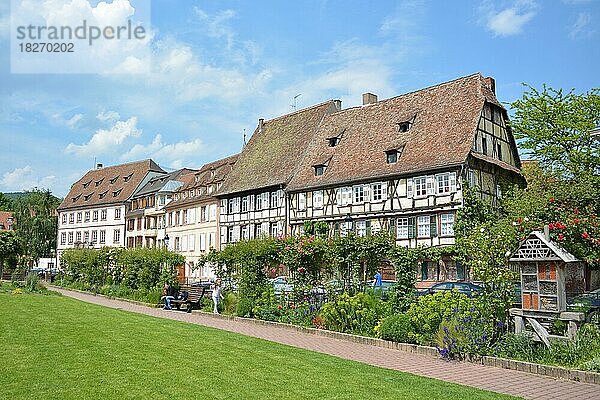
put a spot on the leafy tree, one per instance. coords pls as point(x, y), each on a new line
point(9, 248)
point(555, 127)
point(5, 203)
point(36, 224)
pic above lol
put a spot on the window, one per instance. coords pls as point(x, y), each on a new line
point(117, 213)
point(86, 236)
point(177, 218)
point(102, 237)
point(185, 217)
point(361, 228)
point(70, 237)
point(403, 126)
point(318, 199)
point(116, 236)
point(191, 242)
point(402, 228)
point(230, 234)
point(499, 147)
point(230, 206)
point(376, 192)
point(344, 196)
point(319, 170)
point(274, 229)
point(79, 217)
point(420, 186)
point(64, 218)
point(446, 183)
point(359, 194)
point(87, 216)
point(274, 200)
point(71, 218)
point(244, 232)
point(94, 236)
point(78, 236)
point(211, 239)
point(213, 212)
point(301, 201)
point(391, 156)
point(257, 230)
point(424, 226)
point(177, 243)
point(95, 215)
point(334, 141)
point(471, 178)
point(203, 242)
point(63, 238)
point(484, 148)
point(245, 204)
point(258, 202)
point(447, 225)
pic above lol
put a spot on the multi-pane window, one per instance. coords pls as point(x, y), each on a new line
point(230, 234)
point(424, 226)
point(86, 236)
point(94, 236)
point(258, 202)
point(301, 201)
point(103, 215)
point(117, 213)
point(79, 216)
point(64, 218)
point(213, 212)
point(71, 218)
point(78, 236)
point(244, 232)
point(258, 230)
point(245, 204)
point(402, 228)
point(177, 218)
point(420, 186)
point(344, 196)
point(446, 183)
point(185, 217)
point(230, 206)
point(376, 191)
point(102, 237)
point(359, 194)
point(204, 214)
point(318, 199)
point(63, 238)
point(95, 215)
point(361, 228)
point(87, 216)
point(447, 224)
point(70, 237)
point(274, 229)
point(274, 200)
point(116, 236)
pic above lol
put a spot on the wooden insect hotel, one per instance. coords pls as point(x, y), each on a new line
point(550, 275)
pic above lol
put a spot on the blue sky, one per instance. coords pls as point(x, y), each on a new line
point(218, 66)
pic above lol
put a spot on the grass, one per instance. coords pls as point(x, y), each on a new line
point(54, 347)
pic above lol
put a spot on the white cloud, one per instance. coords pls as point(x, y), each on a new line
point(510, 20)
point(175, 155)
point(74, 120)
point(25, 178)
point(582, 27)
point(104, 141)
point(108, 116)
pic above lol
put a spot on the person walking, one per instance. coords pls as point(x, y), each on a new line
point(216, 295)
point(377, 282)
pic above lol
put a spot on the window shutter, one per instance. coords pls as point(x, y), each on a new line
point(393, 227)
point(336, 229)
point(384, 190)
point(223, 234)
point(338, 196)
point(410, 188)
point(430, 185)
point(452, 178)
point(367, 190)
point(411, 227)
point(368, 224)
point(433, 226)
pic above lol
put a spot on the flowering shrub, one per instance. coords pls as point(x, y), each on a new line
point(397, 328)
point(358, 314)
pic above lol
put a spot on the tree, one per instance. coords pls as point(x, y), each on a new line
point(9, 248)
point(36, 224)
point(555, 127)
point(5, 203)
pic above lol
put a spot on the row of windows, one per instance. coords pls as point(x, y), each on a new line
point(425, 226)
point(183, 194)
point(423, 186)
point(262, 201)
point(188, 242)
point(188, 216)
point(88, 216)
point(236, 233)
point(91, 237)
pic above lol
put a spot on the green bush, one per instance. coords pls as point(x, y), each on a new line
point(397, 328)
point(230, 302)
point(358, 314)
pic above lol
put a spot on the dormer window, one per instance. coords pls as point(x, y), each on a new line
point(334, 141)
point(114, 179)
point(403, 126)
point(391, 156)
point(117, 192)
point(76, 198)
point(99, 182)
point(88, 196)
point(103, 194)
point(320, 169)
point(128, 177)
point(85, 185)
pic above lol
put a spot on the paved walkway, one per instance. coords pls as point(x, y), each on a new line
point(499, 380)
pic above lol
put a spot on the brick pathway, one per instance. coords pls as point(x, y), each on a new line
point(499, 380)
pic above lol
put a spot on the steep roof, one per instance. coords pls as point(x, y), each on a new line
point(212, 173)
point(273, 152)
point(536, 247)
point(443, 121)
point(108, 185)
point(157, 183)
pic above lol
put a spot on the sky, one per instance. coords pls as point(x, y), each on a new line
point(216, 67)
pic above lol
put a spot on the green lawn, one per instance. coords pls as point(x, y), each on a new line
point(54, 347)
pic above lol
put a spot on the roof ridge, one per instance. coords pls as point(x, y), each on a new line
point(300, 111)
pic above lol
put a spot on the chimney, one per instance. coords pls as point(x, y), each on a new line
point(99, 166)
point(261, 121)
point(369, 98)
point(491, 83)
point(338, 105)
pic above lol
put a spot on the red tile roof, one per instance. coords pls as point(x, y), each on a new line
point(108, 185)
point(444, 122)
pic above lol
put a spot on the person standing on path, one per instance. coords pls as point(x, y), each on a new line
point(216, 295)
point(377, 281)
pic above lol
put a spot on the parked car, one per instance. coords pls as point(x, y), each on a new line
point(281, 284)
point(386, 286)
point(467, 288)
point(590, 304)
